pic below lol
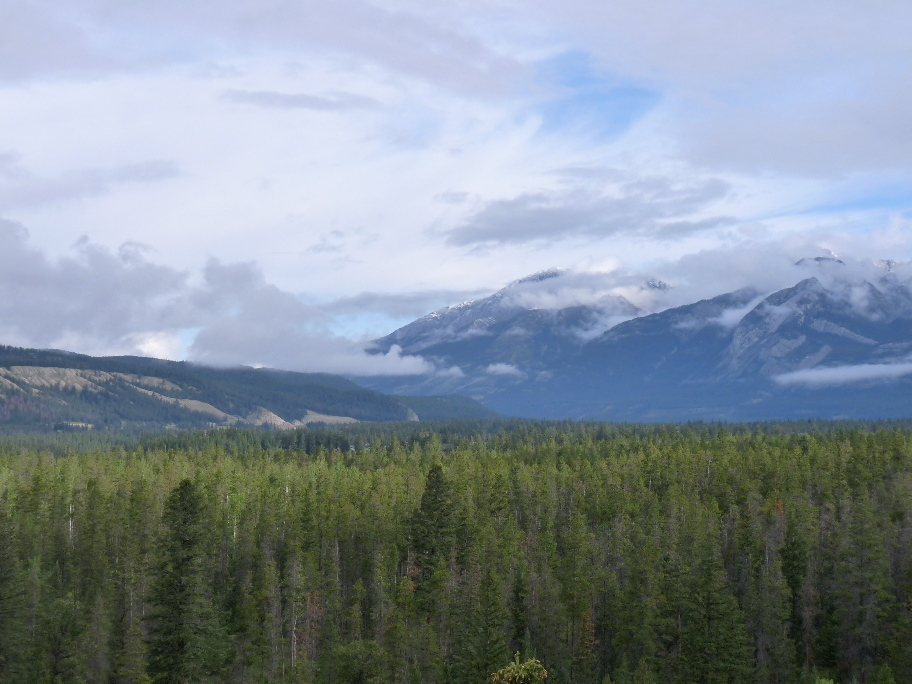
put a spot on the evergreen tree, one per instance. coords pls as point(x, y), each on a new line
point(357, 662)
point(12, 605)
point(481, 644)
point(432, 533)
point(644, 674)
point(519, 620)
point(128, 664)
point(861, 591)
point(794, 554)
point(491, 644)
point(59, 657)
point(770, 612)
point(714, 646)
point(585, 658)
point(186, 643)
point(775, 650)
point(330, 570)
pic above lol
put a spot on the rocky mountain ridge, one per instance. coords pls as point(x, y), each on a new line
point(800, 351)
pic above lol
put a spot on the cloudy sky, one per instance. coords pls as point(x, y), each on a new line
point(272, 182)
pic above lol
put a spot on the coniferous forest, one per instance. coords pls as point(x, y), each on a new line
point(434, 555)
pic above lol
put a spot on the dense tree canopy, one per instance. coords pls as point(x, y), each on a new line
point(609, 554)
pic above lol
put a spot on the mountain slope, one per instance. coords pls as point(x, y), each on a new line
point(42, 388)
point(811, 350)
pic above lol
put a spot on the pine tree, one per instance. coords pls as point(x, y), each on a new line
point(492, 644)
point(861, 592)
point(770, 611)
point(12, 605)
point(432, 531)
point(794, 554)
point(481, 646)
point(395, 633)
point(128, 664)
point(714, 647)
point(519, 620)
point(775, 650)
point(585, 658)
point(59, 657)
point(644, 674)
point(186, 643)
point(357, 662)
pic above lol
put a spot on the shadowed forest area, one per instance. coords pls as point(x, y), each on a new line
point(434, 553)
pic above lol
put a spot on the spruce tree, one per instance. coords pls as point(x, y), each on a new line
point(775, 650)
point(432, 531)
point(128, 662)
point(862, 597)
point(59, 657)
point(480, 643)
point(794, 554)
point(185, 639)
point(12, 605)
point(714, 646)
point(491, 641)
point(519, 620)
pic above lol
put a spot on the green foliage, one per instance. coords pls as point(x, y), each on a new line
point(12, 604)
point(429, 553)
point(121, 407)
point(58, 656)
point(358, 662)
point(529, 672)
point(185, 643)
point(713, 638)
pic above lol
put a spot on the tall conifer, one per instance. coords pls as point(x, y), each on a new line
point(12, 605)
point(185, 639)
point(714, 646)
point(432, 531)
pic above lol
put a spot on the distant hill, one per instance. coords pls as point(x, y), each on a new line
point(837, 350)
point(50, 389)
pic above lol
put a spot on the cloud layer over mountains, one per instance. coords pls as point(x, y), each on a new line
point(103, 302)
point(99, 302)
point(272, 182)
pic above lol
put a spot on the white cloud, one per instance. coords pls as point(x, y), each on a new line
point(504, 369)
point(653, 207)
point(97, 302)
point(403, 148)
point(327, 102)
point(730, 318)
point(839, 375)
point(20, 188)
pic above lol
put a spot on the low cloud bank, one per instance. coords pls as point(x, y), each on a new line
point(105, 303)
point(622, 291)
point(102, 302)
point(839, 375)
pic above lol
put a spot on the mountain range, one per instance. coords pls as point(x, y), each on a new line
point(833, 345)
point(50, 389)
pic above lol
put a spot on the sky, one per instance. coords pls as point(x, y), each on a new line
point(275, 183)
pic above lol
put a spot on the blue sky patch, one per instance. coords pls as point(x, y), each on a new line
point(589, 102)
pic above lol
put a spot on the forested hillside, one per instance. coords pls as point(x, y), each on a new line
point(612, 554)
point(45, 390)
